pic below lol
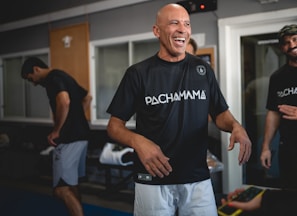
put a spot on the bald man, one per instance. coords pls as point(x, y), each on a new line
point(171, 94)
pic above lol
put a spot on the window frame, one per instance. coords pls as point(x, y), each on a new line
point(93, 45)
point(42, 51)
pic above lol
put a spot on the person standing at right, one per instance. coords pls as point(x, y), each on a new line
point(282, 110)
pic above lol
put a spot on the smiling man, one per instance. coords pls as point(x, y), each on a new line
point(172, 93)
point(282, 110)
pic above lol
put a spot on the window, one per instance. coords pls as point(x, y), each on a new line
point(110, 59)
point(112, 62)
point(22, 101)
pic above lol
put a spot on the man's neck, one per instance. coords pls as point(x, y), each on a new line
point(293, 63)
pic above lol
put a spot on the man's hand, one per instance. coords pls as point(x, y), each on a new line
point(266, 158)
point(226, 122)
point(246, 206)
point(149, 153)
point(51, 138)
point(239, 135)
point(153, 159)
point(289, 112)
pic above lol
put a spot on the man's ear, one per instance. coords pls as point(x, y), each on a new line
point(36, 69)
point(156, 31)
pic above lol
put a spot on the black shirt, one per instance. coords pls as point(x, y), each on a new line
point(76, 126)
point(283, 90)
point(171, 101)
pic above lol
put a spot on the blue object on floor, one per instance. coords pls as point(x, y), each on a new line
point(18, 202)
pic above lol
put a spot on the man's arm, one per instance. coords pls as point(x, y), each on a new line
point(271, 125)
point(150, 154)
point(62, 109)
point(271, 202)
point(251, 205)
point(226, 122)
point(289, 112)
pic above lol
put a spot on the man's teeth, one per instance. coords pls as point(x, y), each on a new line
point(180, 39)
point(294, 50)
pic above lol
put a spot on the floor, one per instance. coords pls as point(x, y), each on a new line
point(27, 170)
point(93, 194)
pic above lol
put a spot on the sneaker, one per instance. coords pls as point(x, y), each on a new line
point(47, 151)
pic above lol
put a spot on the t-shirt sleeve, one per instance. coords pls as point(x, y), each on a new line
point(218, 103)
point(82, 92)
point(123, 104)
point(58, 85)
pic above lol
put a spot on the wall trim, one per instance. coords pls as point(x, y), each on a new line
point(68, 13)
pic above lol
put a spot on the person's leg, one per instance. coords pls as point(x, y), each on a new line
point(68, 166)
point(70, 198)
point(76, 191)
point(197, 199)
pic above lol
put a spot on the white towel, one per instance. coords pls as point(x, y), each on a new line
point(108, 156)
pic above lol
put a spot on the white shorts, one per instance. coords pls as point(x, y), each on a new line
point(194, 199)
point(69, 162)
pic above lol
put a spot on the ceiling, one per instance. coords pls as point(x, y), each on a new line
point(17, 10)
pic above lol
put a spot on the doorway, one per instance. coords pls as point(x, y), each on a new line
point(260, 58)
point(231, 31)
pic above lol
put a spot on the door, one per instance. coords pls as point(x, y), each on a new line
point(231, 30)
point(69, 52)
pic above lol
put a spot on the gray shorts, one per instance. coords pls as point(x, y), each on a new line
point(186, 199)
point(69, 162)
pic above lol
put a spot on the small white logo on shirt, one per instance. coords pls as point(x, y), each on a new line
point(201, 70)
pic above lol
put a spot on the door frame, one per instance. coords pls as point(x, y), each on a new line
point(230, 32)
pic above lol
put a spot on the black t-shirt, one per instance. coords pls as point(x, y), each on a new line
point(283, 90)
point(171, 101)
point(279, 202)
point(76, 126)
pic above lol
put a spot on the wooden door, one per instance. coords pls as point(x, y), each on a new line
point(69, 51)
